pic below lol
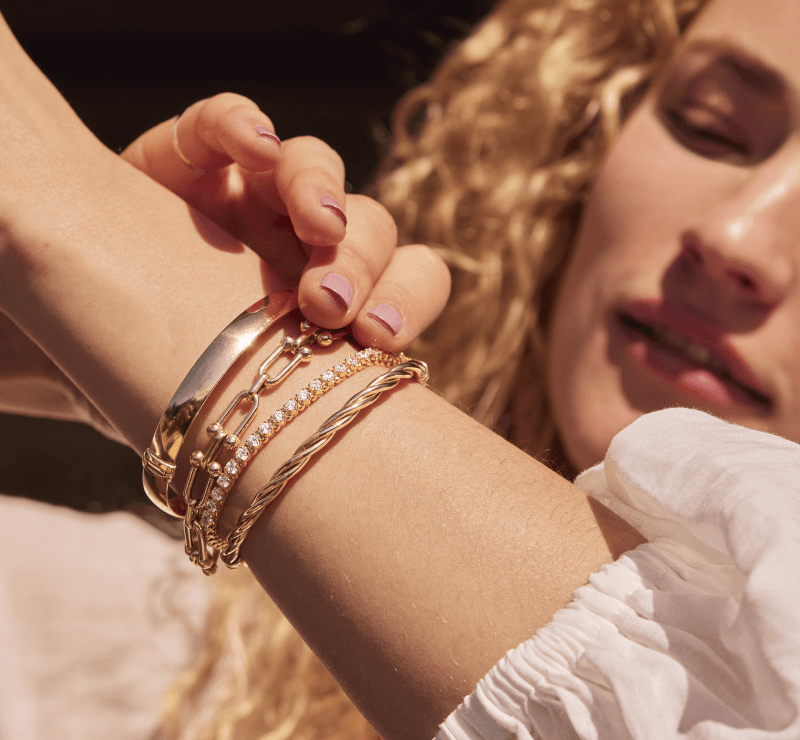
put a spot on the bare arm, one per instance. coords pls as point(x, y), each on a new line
point(420, 546)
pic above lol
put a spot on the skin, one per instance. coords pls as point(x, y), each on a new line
point(394, 592)
point(698, 204)
point(378, 551)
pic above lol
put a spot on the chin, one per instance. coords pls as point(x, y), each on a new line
point(587, 421)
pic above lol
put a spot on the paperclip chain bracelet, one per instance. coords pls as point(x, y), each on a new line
point(196, 544)
point(404, 370)
point(246, 452)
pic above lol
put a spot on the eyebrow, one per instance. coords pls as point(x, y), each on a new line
point(753, 71)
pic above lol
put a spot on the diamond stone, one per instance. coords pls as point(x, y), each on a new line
point(303, 395)
point(328, 376)
point(353, 360)
point(242, 455)
point(216, 494)
point(340, 367)
point(369, 352)
point(231, 468)
point(315, 386)
point(224, 482)
point(265, 429)
point(206, 516)
point(278, 416)
point(362, 355)
point(253, 442)
point(290, 405)
point(211, 506)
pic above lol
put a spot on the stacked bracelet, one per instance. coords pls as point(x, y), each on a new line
point(201, 513)
point(199, 509)
point(403, 369)
point(246, 451)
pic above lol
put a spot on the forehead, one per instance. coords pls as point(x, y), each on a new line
point(767, 30)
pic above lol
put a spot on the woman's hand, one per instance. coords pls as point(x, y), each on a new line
point(287, 202)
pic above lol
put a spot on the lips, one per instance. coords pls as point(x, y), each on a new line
point(693, 352)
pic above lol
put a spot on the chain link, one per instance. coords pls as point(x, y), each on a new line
point(196, 546)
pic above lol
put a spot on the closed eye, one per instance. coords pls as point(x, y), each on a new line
point(707, 140)
point(720, 102)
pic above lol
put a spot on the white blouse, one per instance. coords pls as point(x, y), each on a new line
point(695, 634)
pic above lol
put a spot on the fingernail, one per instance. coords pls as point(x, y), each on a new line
point(265, 133)
point(330, 202)
point(387, 316)
point(339, 286)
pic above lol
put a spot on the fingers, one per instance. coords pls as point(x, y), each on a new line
point(309, 180)
point(389, 295)
point(304, 178)
point(206, 137)
point(408, 297)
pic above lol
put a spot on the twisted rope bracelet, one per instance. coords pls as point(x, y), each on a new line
point(404, 370)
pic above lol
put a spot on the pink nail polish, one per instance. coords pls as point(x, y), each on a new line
point(339, 286)
point(265, 133)
point(330, 202)
point(387, 316)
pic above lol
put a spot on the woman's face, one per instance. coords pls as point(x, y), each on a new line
point(683, 286)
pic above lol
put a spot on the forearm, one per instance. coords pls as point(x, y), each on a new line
point(411, 555)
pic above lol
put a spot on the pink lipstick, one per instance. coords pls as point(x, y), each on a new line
point(692, 352)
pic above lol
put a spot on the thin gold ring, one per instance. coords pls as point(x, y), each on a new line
point(177, 149)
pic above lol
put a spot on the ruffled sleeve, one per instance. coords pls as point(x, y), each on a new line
point(695, 634)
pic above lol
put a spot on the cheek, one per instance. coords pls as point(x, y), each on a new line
point(645, 195)
point(628, 237)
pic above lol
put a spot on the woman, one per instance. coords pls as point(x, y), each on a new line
point(658, 354)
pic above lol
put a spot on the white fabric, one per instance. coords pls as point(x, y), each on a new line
point(695, 634)
point(98, 614)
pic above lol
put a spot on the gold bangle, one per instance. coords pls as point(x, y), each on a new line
point(159, 459)
point(403, 370)
point(195, 534)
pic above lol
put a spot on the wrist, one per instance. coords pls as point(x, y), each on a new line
point(324, 390)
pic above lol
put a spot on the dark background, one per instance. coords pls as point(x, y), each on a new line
point(328, 69)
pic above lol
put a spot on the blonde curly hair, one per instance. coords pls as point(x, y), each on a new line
point(491, 164)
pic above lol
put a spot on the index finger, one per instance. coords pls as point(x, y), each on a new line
point(206, 137)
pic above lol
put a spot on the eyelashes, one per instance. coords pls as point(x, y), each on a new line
point(711, 104)
point(704, 133)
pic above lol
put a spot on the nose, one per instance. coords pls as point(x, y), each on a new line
point(744, 251)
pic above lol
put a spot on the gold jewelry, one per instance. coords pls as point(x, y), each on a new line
point(177, 149)
point(244, 454)
point(198, 511)
point(403, 369)
point(159, 459)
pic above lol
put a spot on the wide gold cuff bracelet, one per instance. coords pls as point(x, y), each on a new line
point(160, 458)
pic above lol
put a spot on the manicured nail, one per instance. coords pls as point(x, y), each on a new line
point(265, 133)
point(387, 316)
point(339, 286)
point(330, 202)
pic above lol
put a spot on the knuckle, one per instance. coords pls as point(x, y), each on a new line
point(430, 262)
point(225, 100)
point(376, 213)
point(323, 151)
point(359, 262)
point(422, 277)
